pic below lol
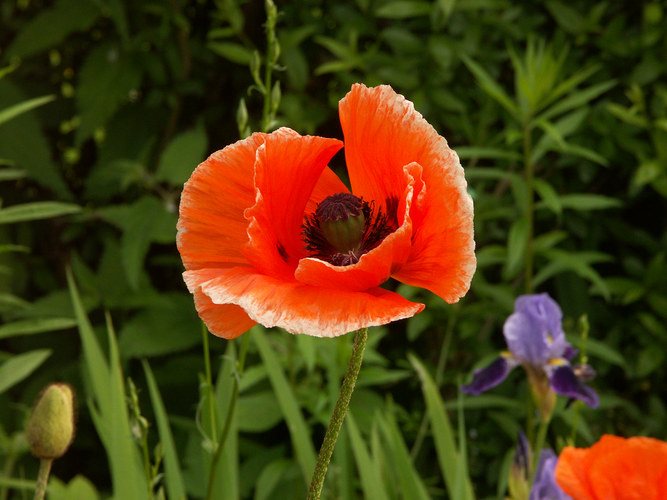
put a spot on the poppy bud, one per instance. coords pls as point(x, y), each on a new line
point(51, 424)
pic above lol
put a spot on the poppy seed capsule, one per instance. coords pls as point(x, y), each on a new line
point(51, 424)
point(342, 221)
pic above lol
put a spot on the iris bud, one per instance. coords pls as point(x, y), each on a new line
point(50, 427)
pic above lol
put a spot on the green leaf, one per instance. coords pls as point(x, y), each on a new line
point(258, 412)
point(36, 211)
point(181, 156)
point(172, 470)
point(516, 247)
point(269, 478)
point(399, 459)
point(53, 25)
point(12, 174)
point(145, 221)
point(466, 152)
point(23, 142)
point(233, 52)
point(549, 195)
point(548, 240)
point(79, 488)
point(20, 366)
point(490, 86)
point(404, 9)
point(23, 107)
point(108, 405)
point(296, 424)
point(456, 478)
point(603, 351)
point(37, 325)
point(568, 18)
point(578, 262)
point(371, 479)
point(227, 474)
point(577, 99)
point(586, 202)
point(106, 78)
point(627, 115)
point(164, 328)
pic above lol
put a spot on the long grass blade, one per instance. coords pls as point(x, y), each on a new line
point(410, 482)
point(303, 446)
point(172, 470)
point(443, 436)
point(109, 405)
point(371, 480)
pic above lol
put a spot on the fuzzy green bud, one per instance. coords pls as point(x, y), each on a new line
point(50, 427)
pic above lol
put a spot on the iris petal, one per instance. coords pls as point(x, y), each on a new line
point(545, 310)
point(545, 486)
point(527, 339)
point(486, 378)
point(565, 382)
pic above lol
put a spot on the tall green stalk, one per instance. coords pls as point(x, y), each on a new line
point(220, 446)
point(338, 415)
point(529, 173)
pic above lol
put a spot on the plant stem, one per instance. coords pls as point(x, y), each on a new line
point(272, 52)
point(240, 365)
point(539, 444)
point(338, 415)
point(529, 172)
point(209, 384)
point(43, 477)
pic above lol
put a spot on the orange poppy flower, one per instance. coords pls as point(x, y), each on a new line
point(269, 234)
point(615, 469)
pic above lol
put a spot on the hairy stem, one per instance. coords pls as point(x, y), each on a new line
point(43, 477)
point(338, 415)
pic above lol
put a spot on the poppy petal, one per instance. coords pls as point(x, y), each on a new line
point(211, 225)
point(486, 378)
point(328, 183)
point(376, 266)
point(383, 133)
point(227, 320)
point(300, 308)
point(634, 468)
point(287, 168)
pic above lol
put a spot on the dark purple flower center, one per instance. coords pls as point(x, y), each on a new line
point(343, 228)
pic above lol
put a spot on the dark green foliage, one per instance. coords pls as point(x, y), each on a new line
point(573, 92)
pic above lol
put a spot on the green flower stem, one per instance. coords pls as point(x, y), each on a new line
point(209, 383)
point(539, 444)
point(272, 54)
point(43, 477)
point(240, 365)
point(338, 415)
point(529, 172)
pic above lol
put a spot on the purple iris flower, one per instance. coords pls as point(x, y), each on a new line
point(535, 338)
point(544, 486)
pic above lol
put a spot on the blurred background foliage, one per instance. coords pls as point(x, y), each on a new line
point(558, 111)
